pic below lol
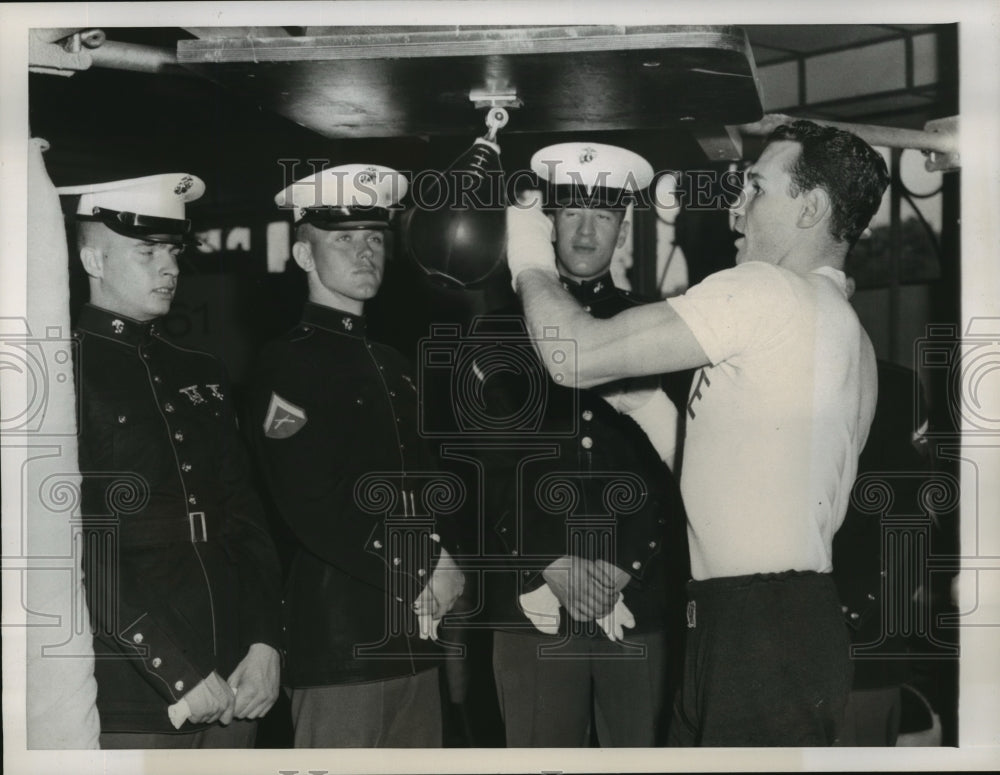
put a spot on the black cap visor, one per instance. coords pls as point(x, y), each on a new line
point(151, 228)
point(346, 218)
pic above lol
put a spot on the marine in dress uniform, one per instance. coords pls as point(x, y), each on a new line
point(182, 577)
point(582, 486)
point(335, 427)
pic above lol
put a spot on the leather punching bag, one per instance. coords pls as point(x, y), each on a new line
point(455, 229)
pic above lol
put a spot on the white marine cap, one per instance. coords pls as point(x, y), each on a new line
point(148, 207)
point(591, 174)
point(162, 196)
point(351, 196)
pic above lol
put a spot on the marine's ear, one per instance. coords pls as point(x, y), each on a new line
point(302, 253)
point(623, 231)
point(93, 261)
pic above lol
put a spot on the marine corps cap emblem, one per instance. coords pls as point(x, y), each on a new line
point(587, 155)
point(183, 185)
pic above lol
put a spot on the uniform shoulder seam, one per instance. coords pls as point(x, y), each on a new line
point(297, 334)
point(189, 350)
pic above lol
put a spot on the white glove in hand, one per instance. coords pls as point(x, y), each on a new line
point(614, 622)
point(542, 607)
point(428, 626)
point(179, 712)
point(443, 588)
point(529, 237)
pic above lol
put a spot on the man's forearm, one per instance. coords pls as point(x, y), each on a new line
point(581, 351)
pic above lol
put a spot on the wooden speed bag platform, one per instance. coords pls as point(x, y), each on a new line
point(392, 83)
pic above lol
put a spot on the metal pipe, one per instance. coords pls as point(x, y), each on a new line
point(888, 136)
point(137, 57)
point(93, 38)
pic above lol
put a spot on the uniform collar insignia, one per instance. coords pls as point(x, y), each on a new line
point(586, 290)
point(333, 319)
point(113, 326)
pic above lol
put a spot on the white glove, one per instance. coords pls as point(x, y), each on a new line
point(428, 626)
point(655, 413)
point(443, 588)
point(542, 607)
point(179, 712)
point(529, 237)
point(619, 618)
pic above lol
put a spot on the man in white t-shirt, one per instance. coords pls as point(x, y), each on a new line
point(776, 418)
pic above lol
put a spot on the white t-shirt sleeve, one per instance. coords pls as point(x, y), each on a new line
point(731, 311)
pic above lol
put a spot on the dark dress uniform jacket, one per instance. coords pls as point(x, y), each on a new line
point(861, 560)
point(335, 428)
point(600, 470)
point(180, 571)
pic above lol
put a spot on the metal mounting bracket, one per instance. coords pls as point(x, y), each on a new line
point(487, 98)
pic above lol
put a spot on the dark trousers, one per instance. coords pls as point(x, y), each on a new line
point(395, 713)
point(767, 662)
point(546, 700)
point(238, 734)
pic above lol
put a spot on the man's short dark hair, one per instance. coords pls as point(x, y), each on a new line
point(852, 173)
point(88, 234)
point(302, 231)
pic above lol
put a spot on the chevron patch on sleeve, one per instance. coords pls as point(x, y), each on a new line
point(283, 418)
